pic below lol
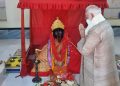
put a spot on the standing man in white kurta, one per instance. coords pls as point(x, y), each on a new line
point(97, 47)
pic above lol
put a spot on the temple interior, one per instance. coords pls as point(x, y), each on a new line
point(10, 40)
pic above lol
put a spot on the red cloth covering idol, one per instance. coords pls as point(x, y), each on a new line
point(70, 56)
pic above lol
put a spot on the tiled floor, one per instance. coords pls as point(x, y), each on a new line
point(9, 46)
point(10, 80)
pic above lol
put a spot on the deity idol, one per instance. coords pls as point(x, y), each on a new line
point(59, 56)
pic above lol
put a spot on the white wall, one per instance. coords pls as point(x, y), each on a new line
point(14, 15)
point(114, 3)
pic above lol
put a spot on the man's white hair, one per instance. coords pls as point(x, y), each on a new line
point(93, 9)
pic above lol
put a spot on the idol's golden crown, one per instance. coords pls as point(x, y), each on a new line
point(57, 24)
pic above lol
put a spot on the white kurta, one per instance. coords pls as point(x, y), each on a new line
point(98, 62)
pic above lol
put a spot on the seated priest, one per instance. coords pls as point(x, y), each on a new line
point(59, 56)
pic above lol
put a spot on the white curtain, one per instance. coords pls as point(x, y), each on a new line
point(2, 11)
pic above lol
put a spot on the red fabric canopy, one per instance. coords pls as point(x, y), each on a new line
point(59, 4)
point(44, 12)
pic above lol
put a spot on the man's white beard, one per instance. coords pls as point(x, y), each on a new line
point(89, 22)
point(96, 20)
point(90, 25)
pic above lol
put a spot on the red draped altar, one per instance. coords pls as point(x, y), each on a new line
point(43, 13)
